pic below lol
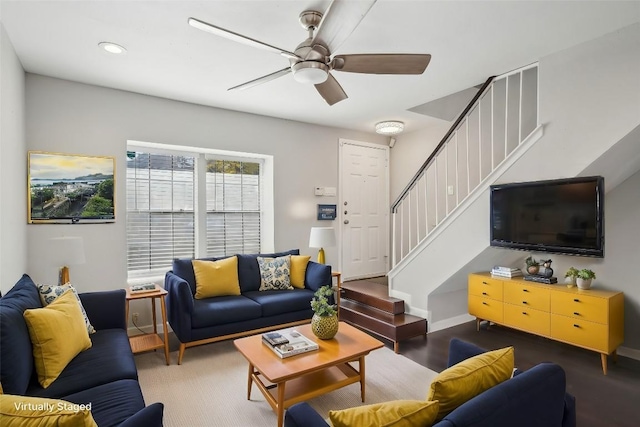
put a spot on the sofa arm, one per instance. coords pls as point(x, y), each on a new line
point(303, 415)
point(105, 309)
point(151, 416)
point(569, 417)
point(179, 305)
point(317, 276)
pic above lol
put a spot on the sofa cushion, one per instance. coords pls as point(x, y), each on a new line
point(298, 270)
point(279, 302)
point(216, 278)
point(183, 267)
point(317, 276)
point(397, 413)
point(467, 379)
point(58, 333)
point(16, 351)
point(108, 359)
point(111, 403)
point(221, 310)
point(249, 272)
point(23, 411)
point(275, 273)
point(49, 294)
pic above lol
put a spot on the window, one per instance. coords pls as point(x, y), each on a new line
point(165, 218)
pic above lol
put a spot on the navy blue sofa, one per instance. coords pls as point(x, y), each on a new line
point(104, 375)
point(532, 398)
point(203, 321)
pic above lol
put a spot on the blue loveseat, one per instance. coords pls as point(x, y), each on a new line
point(203, 321)
point(105, 375)
point(533, 398)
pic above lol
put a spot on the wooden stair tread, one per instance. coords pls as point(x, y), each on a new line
point(372, 294)
point(394, 327)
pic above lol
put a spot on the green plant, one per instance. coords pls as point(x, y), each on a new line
point(571, 272)
point(531, 262)
point(320, 302)
point(586, 274)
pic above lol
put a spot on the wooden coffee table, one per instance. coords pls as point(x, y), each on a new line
point(284, 382)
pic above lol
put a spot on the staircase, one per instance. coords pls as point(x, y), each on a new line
point(368, 306)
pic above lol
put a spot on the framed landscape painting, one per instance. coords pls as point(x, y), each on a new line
point(70, 188)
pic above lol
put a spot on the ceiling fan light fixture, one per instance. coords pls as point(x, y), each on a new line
point(389, 127)
point(310, 72)
point(112, 48)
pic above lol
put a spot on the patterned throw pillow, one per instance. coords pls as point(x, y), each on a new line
point(275, 273)
point(49, 294)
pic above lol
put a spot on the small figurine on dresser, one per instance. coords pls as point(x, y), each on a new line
point(545, 270)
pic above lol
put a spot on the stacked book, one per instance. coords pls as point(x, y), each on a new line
point(287, 343)
point(505, 271)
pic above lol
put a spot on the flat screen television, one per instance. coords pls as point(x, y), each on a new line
point(564, 216)
point(70, 188)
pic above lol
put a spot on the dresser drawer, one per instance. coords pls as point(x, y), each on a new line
point(526, 319)
point(485, 308)
point(485, 287)
point(591, 335)
point(527, 296)
point(580, 306)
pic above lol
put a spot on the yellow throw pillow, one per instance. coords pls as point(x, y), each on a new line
point(58, 333)
point(23, 411)
point(216, 278)
point(397, 413)
point(467, 379)
point(298, 270)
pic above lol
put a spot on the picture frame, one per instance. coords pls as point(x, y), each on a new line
point(327, 212)
point(70, 188)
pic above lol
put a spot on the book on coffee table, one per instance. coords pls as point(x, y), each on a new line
point(296, 344)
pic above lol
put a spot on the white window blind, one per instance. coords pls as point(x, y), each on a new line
point(164, 216)
point(160, 211)
point(233, 207)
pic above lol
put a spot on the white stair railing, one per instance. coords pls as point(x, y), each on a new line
point(497, 120)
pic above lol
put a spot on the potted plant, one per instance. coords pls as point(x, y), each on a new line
point(570, 277)
point(324, 322)
point(585, 276)
point(533, 266)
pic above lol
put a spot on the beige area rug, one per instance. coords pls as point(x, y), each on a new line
point(210, 387)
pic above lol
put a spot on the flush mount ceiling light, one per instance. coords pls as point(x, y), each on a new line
point(112, 48)
point(389, 128)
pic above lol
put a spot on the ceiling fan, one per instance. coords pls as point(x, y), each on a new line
point(311, 61)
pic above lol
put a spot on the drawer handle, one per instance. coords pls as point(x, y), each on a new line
point(484, 293)
point(576, 300)
point(484, 283)
point(576, 313)
point(525, 290)
point(524, 312)
point(524, 302)
point(576, 326)
point(484, 303)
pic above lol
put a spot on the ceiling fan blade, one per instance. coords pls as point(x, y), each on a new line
point(230, 35)
point(262, 79)
point(331, 90)
point(339, 21)
point(382, 63)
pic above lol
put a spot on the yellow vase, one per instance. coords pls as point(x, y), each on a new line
point(324, 327)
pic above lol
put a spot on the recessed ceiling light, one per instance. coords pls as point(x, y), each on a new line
point(389, 128)
point(112, 48)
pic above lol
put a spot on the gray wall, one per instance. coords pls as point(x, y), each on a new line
point(13, 171)
point(70, 117)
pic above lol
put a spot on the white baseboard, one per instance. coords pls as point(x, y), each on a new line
point(631, 353)
point(147, 329)
point(452, 321)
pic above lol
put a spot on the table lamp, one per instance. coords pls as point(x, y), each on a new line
point(66, 251)
point(322, 237)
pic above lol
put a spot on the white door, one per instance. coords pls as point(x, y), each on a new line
point(364, 209)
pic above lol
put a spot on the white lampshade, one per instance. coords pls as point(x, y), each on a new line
point(67, 250)
point(322, 237)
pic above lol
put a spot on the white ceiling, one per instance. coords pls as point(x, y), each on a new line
point(168, 58)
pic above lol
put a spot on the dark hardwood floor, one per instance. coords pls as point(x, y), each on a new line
point(601, 401)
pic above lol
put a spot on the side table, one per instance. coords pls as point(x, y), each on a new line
point(338, 277)
point(150, 341)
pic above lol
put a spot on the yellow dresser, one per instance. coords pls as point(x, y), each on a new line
point(591, 319)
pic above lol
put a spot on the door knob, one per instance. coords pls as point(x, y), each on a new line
point(346, 221)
